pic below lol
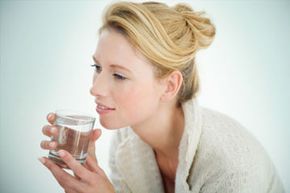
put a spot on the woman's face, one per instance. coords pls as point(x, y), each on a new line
point(126, 91)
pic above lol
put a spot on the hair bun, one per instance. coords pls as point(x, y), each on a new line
point(202, 28)
point(181, 7)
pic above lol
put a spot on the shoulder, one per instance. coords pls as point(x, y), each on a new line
point(225, 137)
point(213, 118)
point(223, 130)
point(228, 156)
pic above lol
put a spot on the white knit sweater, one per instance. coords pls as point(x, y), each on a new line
point(216, 155)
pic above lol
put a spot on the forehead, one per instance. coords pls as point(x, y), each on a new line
point(113, 47)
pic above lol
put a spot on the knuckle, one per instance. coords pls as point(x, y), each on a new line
point(63, 181)
point(92, 179)
point(49, 165)
point(70, 185)
point(44, 128)
point(50, 117)
point(81, 173)
point(67, 183)
point(48, 145)
point(53, 130)
point(53, 144)
point(43, 144)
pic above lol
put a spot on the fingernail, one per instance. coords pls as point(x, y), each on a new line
point(53, 130)
point(49, 116)
point(51, 144)
point(61, 153)
point(42, 160)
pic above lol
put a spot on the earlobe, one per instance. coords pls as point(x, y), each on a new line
point(172, 83)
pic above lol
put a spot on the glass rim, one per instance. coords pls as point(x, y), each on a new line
point(66, 113)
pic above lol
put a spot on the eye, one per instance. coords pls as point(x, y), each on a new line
point(98, 68)
point(119, 76)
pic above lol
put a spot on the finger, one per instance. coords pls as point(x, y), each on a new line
point(48, 144)
point(74, 165)
point(92, 149)
point(66, 180)
point(70, 191)
point(94, 166)
point(94, 136)
point(51, 117)
point(96, 133)
point(100, 171)
point(50, 130)
point(91, 163)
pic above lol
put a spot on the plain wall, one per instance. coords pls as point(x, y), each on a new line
point(45, 55)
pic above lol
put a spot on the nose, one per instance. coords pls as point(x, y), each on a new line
point(99, 86)
point(92, 91)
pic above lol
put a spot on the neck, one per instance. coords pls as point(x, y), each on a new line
point(163, 130)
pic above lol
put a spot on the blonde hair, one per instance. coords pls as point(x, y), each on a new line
point(168, 37)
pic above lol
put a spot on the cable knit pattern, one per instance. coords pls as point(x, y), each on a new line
point(216, 155)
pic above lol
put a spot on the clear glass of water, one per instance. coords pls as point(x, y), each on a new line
point(74, 130)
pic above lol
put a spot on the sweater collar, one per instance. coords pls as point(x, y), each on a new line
point(136, 160)
point(188, 144)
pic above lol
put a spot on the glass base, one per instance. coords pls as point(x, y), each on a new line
point(61, 163)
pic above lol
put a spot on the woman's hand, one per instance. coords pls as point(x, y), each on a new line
point(50, 131)
point(89, 178)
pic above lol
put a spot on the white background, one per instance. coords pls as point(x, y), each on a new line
point(46, 49)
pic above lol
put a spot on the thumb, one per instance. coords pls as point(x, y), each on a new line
point(96, 133)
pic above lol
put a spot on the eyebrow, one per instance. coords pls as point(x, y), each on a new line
point(113, 65)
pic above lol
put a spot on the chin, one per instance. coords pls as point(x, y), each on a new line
point(111, 126)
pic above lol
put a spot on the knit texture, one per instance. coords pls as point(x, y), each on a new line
point(216, 155)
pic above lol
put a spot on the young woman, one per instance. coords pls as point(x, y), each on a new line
point(145, 86)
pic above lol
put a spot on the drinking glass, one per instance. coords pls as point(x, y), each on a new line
point(73, 135)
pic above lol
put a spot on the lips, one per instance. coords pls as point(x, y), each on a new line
point(102, 109)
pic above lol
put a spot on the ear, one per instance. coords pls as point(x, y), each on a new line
point(172, 85)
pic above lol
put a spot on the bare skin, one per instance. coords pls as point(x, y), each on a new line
point(168, 171)
point(127, 93)
point(87, 178)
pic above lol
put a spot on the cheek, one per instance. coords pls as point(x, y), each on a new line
point(137, 103)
